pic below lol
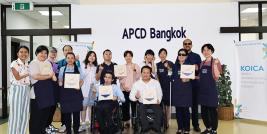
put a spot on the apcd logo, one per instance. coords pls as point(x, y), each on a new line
point(265, 50)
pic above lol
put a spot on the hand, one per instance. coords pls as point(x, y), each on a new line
point(60, 83)
point(196, 67)
point(166, 65)
point(197, 77)
point(77, 57)
point(51, 74)
point(114, 98)
point(158, 102)
point(138, 95)
point(216, 61)
point(101, 67)
point(54, 78)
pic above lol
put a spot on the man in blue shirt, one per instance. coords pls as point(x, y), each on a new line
point(194, 59)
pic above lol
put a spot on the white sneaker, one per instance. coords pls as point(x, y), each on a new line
point(82, 127)
point(62, 129)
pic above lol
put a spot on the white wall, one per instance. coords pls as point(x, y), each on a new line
point(202, 22)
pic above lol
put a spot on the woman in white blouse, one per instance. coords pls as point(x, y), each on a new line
point(19, 93)
point(89, 70)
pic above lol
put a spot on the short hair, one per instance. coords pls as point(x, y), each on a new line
point(67, 46)
point(128, 52)
point(186, 52)
point(187, 40)
point(52, 50)
point(107, 50)
point(70, 53)
point(20, 47)
point(149, 51)
point(111, 73)
point(209, 46)
point(41, 48)
point(146, 67)
point(161, 50)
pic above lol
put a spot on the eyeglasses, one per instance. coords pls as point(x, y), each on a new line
point(182, 55)
point(187, 43)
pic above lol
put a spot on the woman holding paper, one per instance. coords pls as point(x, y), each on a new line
point(126, 83)
point(210, 70)
point(42, 91)
point(181, 94)
point(89, 70)
point(71, 98)
point(19, 93)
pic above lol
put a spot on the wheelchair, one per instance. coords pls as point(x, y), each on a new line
point(117, 123)
point(150, 117)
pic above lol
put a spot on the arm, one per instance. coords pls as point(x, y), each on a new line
point(133, 93)
point(98, 72)
point(35, 74)
point(217, 69)
point(119, 94)
point(159, 92)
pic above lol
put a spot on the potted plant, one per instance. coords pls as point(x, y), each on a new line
point(226, 108)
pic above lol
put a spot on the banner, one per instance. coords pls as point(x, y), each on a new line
point(251, 59)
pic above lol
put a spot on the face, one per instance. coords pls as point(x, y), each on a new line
point(108, 79)
point(67, 49)
point(206, 52)
point(146, 74)
point(149, 57)
point(182, 56)
point(70, 59)
point(128, 58)
point(107, 56)
point(42, 56)
point(23, 54)
point(187, 44)
point(163, 55)
point(91, 58)
point(52, 55)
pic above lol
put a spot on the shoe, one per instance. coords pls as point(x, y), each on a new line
point(62, 129)
point(82, 127)
point(179, 132)
point(206, 132)
point(214, 132)
point(48, 130)
point(197, 129)
point(53, 129)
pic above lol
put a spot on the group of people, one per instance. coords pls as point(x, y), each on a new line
point(39, 85)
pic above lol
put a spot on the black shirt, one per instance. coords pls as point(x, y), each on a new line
point(107, 68)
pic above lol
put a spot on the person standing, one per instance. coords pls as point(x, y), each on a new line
point(210, 70)
point(181, 94)
point(126, 83)
point(194, 59)
point(19, 99)
point(164, 69)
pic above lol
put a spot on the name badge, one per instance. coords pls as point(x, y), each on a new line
point(204, 71)
point(161, 70)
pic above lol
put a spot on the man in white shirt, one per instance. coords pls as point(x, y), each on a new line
point(149, 94)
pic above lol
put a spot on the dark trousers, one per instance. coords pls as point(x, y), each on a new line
point(104, 112)
point(76, 121)
point(156, 124)
point(38, 118)
point(194, 107)
point(51, 115)
point(62, 119)
point(210, 117)
point(126, 107)
point(183, 118)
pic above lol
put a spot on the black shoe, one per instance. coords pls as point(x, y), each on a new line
point(214, 132)
point(206, 132)
point(197, 129)
point(179, 132)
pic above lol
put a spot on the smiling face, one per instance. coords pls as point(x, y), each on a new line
point(107, 56)
point(67, 49)
point(146, 74)
point(149, 57)
point(108, 78)
point(182, 56)
point(91, 58)
point(163, 56)
point(187, 45)
point(70, 59)
point(23, 54)
point(128, 58)
point(207, 52)
point(42, 56)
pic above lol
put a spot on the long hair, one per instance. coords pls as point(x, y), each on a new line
point(87, 56)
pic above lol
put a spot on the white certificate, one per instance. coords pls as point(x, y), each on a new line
point(72, 81)
point(150, 96)
point(105, 93)
point(120, 70)
point(45, 68)
point(188, 71)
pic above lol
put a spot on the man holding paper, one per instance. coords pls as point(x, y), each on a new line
point(149, 94)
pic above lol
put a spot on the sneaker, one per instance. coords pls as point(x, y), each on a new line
point(206, 132)
point(62, 129)
point(48, 130)
point(53, 129)
point(82, 127)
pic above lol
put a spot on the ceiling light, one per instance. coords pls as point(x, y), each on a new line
point(252, 10)
point(54, 13)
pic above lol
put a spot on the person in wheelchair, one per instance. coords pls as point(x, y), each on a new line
point(148, 93)
point(107, 95)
